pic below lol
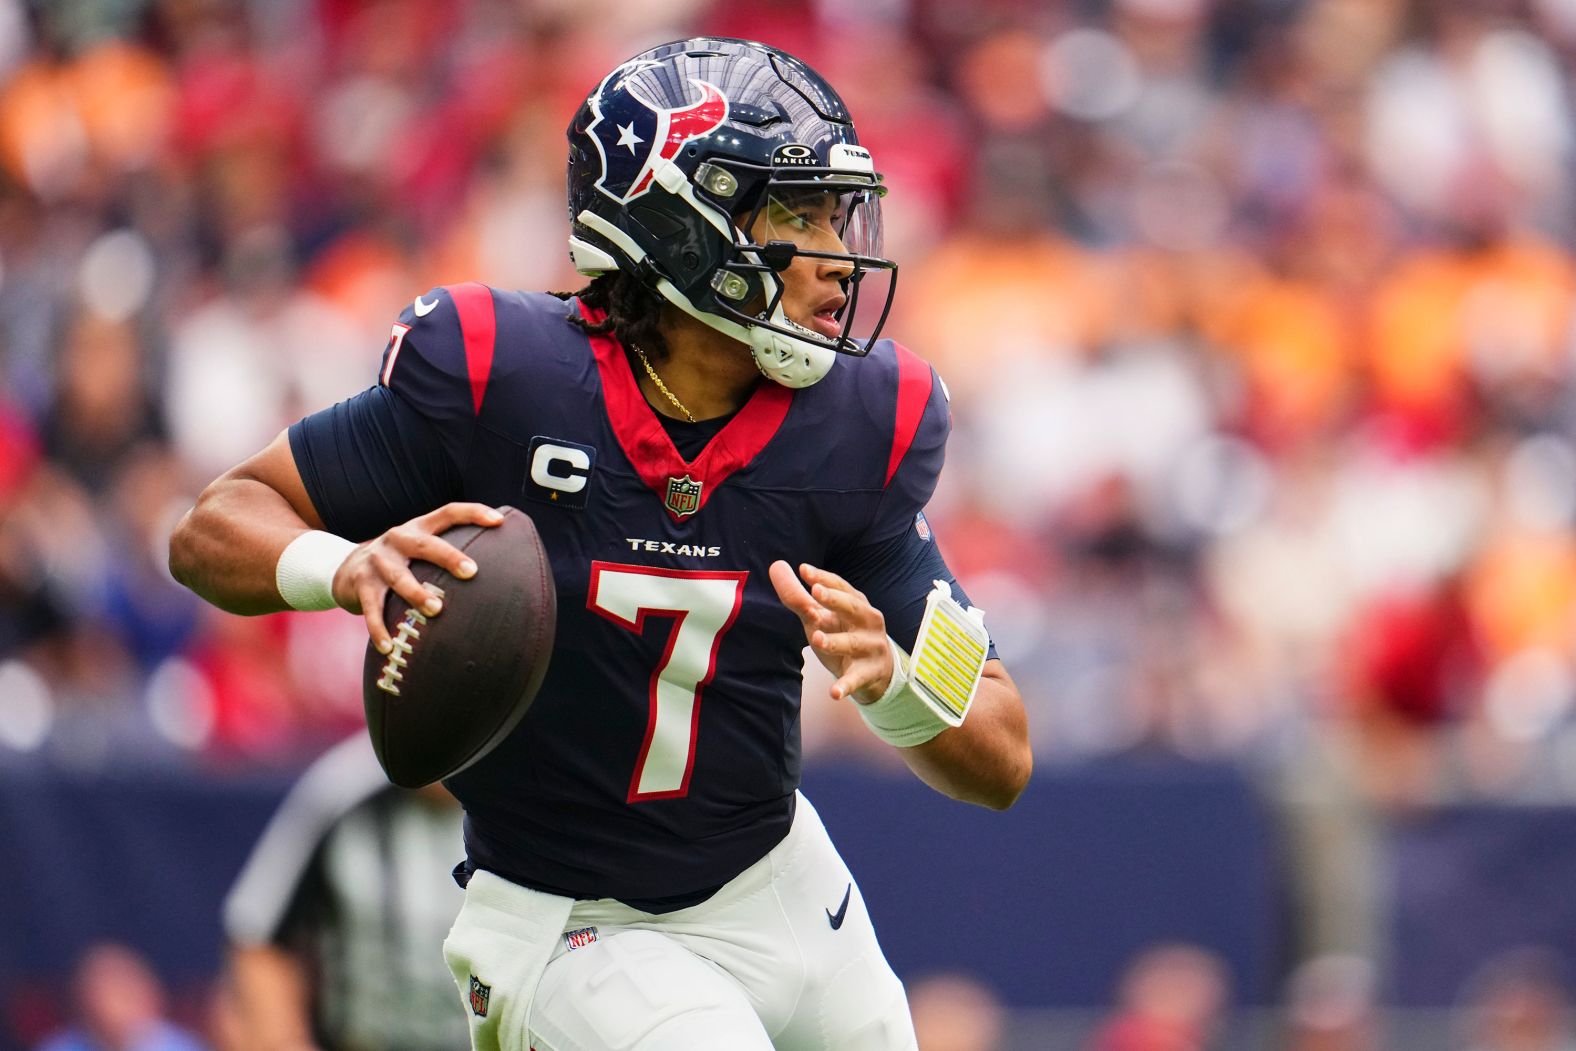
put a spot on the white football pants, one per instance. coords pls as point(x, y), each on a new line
point(759, 966)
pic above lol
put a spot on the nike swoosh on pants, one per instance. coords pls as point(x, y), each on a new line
point(836, 920)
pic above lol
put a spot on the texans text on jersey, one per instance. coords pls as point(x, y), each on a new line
point(667, 547)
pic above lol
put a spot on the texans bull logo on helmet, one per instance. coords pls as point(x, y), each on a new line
point(632, 134)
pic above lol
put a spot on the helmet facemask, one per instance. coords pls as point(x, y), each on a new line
point(820, 214)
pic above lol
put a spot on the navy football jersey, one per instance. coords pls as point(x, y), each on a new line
point(661, 754)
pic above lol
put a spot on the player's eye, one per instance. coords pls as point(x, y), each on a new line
point(782, 215)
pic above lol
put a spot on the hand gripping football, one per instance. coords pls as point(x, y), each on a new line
point(457, 683)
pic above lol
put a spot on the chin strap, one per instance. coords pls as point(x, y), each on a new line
point(784, 359)
point(791, 362)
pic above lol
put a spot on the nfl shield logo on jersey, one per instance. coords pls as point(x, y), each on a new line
point(683, 496)
point(480, 994)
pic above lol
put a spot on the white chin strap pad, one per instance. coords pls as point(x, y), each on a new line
point(791, 362)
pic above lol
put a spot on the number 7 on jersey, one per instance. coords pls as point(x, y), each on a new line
point(705, 604)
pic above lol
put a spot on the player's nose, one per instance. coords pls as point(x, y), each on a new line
point(838, 270)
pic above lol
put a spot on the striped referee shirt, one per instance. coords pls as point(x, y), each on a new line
point(352, 876)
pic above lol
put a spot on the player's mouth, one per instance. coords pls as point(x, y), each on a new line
point(825, 320)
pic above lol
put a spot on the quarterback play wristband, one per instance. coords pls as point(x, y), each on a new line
point(305, 573)
point(933, 689)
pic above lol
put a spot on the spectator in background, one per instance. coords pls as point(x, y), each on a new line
point(336, 922)
point(120, 1007)
point(102, 410)
point(1519, 1001)
point(1332, 1005)
point(1410, 657)
point(1171, 998)
point(953, 1012)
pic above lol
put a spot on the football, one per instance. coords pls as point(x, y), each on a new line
point(457, 683)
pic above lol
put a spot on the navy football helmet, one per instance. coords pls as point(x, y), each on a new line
point(680, 151)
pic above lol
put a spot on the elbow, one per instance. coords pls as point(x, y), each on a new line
point(996, 788)
point(182, 560)
point(192, 545)
point(1013, 761)
point(1014, 779)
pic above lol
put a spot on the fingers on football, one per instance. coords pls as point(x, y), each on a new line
point(398, 576)
point(458, 513)
point(370, 594)
point(439, 552)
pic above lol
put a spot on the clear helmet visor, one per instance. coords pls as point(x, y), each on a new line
point(838, 221)
point(809, 231)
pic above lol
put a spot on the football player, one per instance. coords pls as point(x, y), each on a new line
point(724, 463)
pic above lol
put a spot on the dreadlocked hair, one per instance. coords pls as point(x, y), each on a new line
point(633, 312)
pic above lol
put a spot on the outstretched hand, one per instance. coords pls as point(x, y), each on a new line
point(373, 568)
point(843, 629)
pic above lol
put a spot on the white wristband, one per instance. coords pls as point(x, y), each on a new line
point(901, 717)
point(934, 689)
point(305, 573)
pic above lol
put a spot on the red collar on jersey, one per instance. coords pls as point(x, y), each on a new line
point(648, 446)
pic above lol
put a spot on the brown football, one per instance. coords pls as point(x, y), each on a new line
point(457, 683)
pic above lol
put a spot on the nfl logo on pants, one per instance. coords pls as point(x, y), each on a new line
point(480, 994)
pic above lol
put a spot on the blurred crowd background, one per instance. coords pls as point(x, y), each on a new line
point(1256, 316)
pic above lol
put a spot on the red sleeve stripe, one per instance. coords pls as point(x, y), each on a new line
point(479, 325)
point(913, 394)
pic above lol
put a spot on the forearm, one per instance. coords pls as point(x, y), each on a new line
point(987, 760)
point(226, 548)
point(271, 1002)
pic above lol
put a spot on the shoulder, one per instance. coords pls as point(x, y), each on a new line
point(892, 396)
point(457, 327)
point(452, 341)
point(889, 378)
point(537, 328)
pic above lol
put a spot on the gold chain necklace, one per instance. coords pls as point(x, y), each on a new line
point(663, 387)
